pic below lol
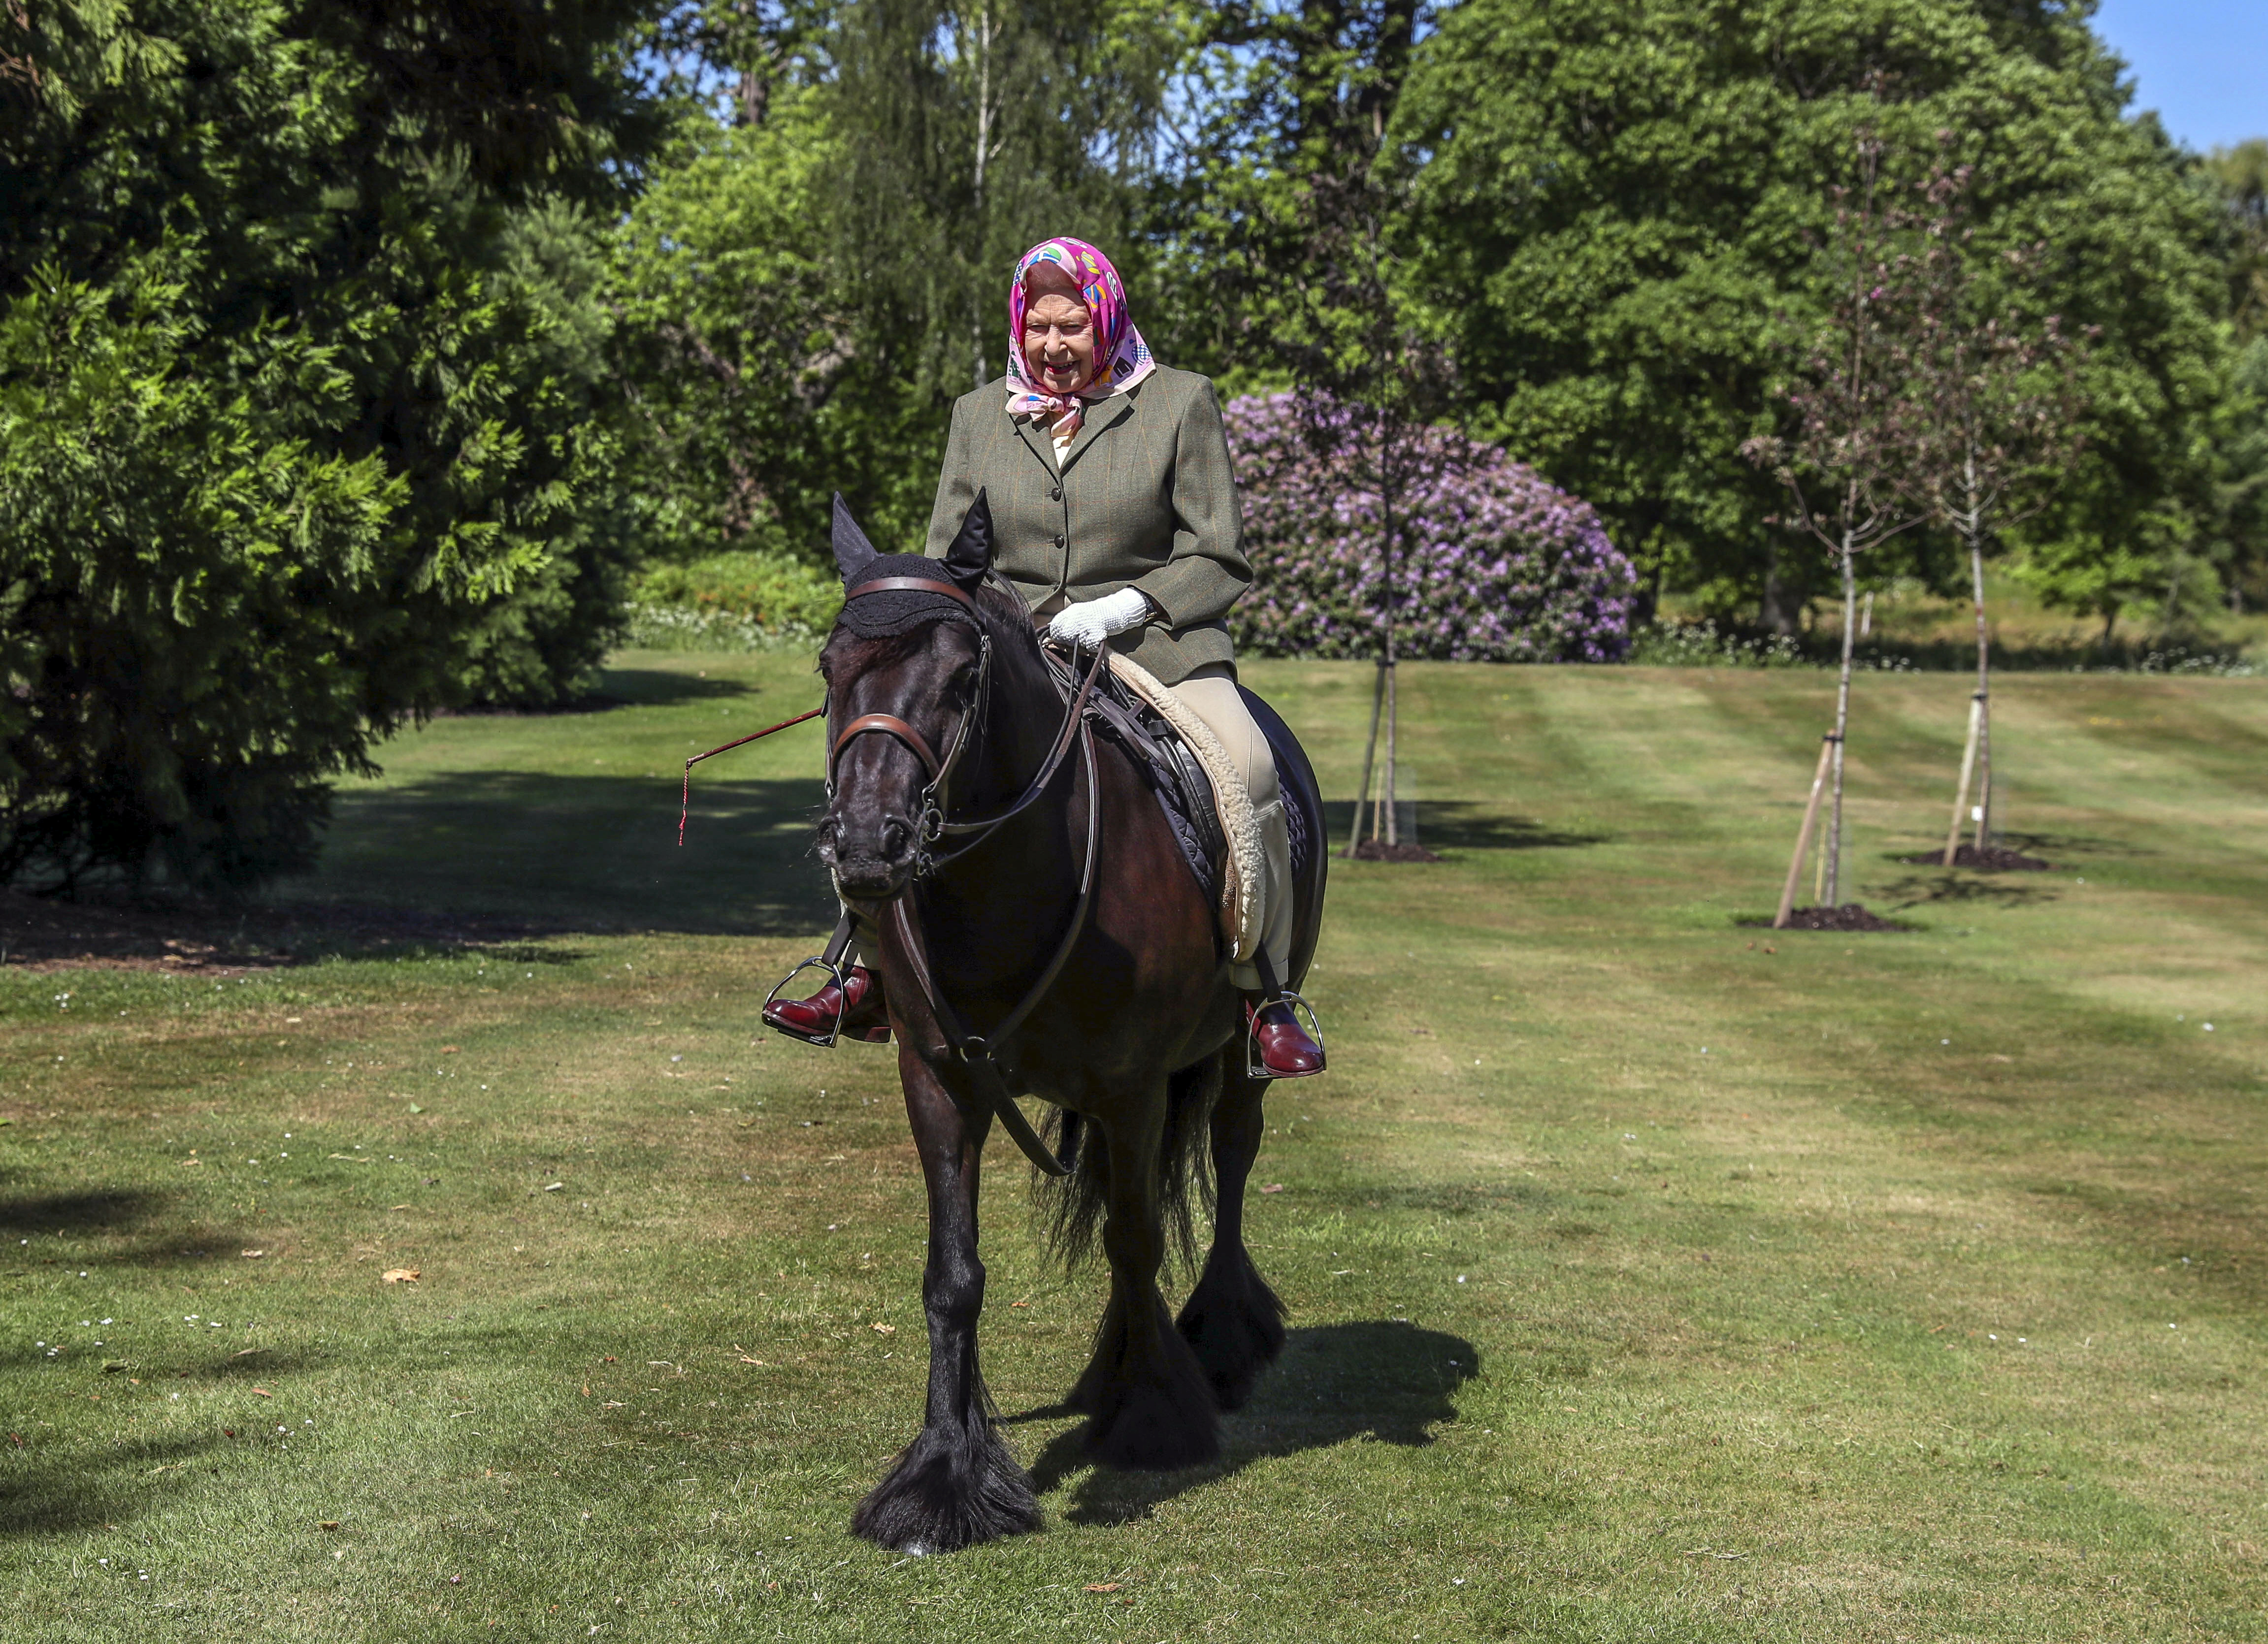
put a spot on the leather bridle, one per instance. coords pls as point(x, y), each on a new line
point(931, 825)
point(978, 1051)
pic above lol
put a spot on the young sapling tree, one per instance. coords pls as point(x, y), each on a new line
point(1995, 409)
point(1845, 464)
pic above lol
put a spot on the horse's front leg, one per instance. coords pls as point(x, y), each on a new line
point(1146, 1396)
point(957, 1484)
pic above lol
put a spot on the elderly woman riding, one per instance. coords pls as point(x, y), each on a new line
point(1115, 511)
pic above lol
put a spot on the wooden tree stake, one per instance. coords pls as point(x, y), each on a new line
point(1968, 770)
point(1803, 838)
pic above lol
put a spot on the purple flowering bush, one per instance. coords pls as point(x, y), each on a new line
point(1493, 562)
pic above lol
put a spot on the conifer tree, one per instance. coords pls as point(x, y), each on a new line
point(293, 403)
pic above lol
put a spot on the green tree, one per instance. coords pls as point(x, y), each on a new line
point(2239, 176)
point(738, 342)
point(540, 643)
point(1286, 225)
point(819, 265)
point(294, 401)
point(1619, 198)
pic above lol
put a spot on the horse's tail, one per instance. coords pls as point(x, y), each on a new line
point(1070, 1208)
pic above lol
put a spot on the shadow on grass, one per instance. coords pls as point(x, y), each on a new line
point(625, 687)
point(654, 687)
point(1449, 825)
point(248, 1364)
point(93, 1210)
point(2061, 847)
point(128, 1211)
point(75, 1490)
point(595, 853)
point(1947, 887)
point(1384, 1380)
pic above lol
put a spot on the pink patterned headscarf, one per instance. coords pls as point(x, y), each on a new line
point(1124, 357)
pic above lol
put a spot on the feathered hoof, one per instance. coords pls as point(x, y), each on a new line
point(1234, 1325)
point(1156, 1424)
point(949, 1490)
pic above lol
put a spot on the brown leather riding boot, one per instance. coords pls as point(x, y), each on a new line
point(856, 1006)
point(1286, 1051)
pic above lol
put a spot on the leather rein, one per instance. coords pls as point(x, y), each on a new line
point(977, 1052)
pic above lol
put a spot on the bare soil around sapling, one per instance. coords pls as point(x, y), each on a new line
point(1379, 850)
point(1852, 918)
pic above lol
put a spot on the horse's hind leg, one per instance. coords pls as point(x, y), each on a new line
point(1146, 1397)
point(1231, 1319)
point(957, 1484)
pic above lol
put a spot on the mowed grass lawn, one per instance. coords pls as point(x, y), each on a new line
point(1651, 1276)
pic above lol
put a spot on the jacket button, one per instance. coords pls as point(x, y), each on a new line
point(1059, 540)
point(1056, 496)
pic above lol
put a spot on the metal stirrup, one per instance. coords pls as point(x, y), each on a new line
point(1271, 984)
point(831, 962)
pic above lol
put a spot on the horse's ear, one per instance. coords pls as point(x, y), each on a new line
point(971, 556)
point(852, 552)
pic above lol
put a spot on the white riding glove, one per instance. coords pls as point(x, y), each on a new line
point(1091, 621)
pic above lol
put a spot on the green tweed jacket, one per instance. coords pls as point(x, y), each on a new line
point(1145, 499)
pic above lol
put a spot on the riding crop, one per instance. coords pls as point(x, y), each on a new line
point(686, 804)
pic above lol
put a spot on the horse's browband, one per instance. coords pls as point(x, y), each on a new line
point(912, 584)
point(890, 724)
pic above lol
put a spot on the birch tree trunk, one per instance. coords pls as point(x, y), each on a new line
point(1975, 532)
point(1386, 433)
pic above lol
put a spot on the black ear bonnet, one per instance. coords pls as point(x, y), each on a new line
point(900, 609)
point(897, 610)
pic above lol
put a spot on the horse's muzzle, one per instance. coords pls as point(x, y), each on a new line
point(869, 864)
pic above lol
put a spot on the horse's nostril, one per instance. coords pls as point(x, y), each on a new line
point(895, 837)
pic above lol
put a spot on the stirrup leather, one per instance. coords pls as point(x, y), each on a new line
point(1255, 1068)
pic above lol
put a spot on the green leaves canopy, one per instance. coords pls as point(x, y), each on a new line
point(1619, 204)
point(297, 394)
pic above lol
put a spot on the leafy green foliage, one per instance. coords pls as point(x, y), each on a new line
point(1283, 228)
point(306, 429)
point(2239, 545)
point(1621, 202)
point(2239, 176)
point(779, 593)
point(754, 396)
point(818, 267)
point(168, 543)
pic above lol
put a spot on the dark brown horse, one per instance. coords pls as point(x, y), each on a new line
point(942, 713)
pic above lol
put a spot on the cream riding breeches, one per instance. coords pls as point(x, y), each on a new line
point(1210, 694)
